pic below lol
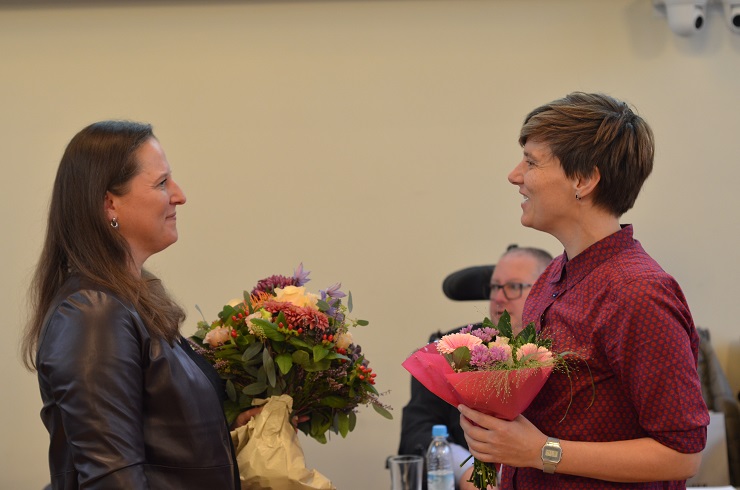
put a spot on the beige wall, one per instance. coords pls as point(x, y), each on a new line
point(368, 139)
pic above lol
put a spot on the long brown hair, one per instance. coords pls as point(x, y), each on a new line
point(101, 158)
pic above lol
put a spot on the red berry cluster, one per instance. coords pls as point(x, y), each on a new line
point(366, 373)
point(290, 329)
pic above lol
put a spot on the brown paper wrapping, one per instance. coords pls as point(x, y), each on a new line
point(269, 453)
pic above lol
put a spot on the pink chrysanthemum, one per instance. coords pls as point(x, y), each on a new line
point(486, 334)
point(533, 353)
point(486, 357)
point(449, 343)
point(298, 316)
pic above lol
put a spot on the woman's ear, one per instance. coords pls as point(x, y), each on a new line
point(109, 204)
point(585, 185)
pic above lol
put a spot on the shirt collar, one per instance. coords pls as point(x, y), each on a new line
point(579, 266)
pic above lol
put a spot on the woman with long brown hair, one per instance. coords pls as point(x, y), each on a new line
point(126, 402)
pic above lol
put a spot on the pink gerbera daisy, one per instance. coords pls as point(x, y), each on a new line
point(449, 343)
point(530, 352)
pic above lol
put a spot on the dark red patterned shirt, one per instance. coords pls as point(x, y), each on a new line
point(628, 319)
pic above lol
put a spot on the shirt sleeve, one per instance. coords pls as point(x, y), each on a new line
point(92, 372)
point(652, 348)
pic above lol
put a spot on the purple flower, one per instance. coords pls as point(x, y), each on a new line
point(467, 329)
point(483, 357)
point(334, 292)
point(486, 334)
point(299, 276)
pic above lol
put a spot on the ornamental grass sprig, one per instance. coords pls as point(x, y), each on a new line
point(510, 358)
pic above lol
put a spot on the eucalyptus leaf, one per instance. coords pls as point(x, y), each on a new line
point(269, 367)
point(254, 388)
point(251, 351)
point(230, 391)
point(382, 411)
point(349, 302)
point(363, 323)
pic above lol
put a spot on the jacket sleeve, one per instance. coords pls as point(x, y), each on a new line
point(91, 368)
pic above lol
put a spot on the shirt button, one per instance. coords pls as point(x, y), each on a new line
point(554, 295)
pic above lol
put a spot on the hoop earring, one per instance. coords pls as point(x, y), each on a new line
point(114, 223)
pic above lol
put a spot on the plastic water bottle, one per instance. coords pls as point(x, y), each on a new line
point(439, 461)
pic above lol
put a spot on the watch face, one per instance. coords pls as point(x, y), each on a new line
point(551, 453)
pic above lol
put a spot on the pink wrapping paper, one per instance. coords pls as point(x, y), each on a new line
point(503, 394)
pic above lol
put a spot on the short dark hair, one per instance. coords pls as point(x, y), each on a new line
point(588, 131)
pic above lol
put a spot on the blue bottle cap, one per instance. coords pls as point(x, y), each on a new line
point(439, 430)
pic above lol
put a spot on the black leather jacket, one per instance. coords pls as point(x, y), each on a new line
point(124, 411)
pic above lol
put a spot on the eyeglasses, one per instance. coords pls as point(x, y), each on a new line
point(512, 290)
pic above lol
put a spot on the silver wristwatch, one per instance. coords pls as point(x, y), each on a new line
point(552, 453)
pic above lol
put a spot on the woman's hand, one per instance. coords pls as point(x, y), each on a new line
point(247, 415)
point(517, 443)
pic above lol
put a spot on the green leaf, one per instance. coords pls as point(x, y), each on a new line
point(343, 423)
point(382, 411)
point(321, 365)
point(226, 314)
point(251, 351)
point(284, 362)
point(349, 302)
point(269, 367)
point(254, 388)
point(298, 342)
point(319, 352)
point(230, 391)
point(362, 323)
point(528, 334)
point(504, 325)
point(461, 358)
point(352, 421)
point(270, 329)
point(334, 401)
point(322, 305)
point(301, 358)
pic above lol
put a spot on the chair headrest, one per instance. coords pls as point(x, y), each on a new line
point(469, 284)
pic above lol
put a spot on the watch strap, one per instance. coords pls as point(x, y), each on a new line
point(551, 455)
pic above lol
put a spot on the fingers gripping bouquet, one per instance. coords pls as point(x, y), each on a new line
point(488, 369)
point(283, 340)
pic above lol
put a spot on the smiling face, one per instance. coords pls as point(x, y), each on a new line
point(146, 212)
point(549, 196)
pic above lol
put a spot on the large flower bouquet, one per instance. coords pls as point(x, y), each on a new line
point(283, 340)
point(488, 369)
